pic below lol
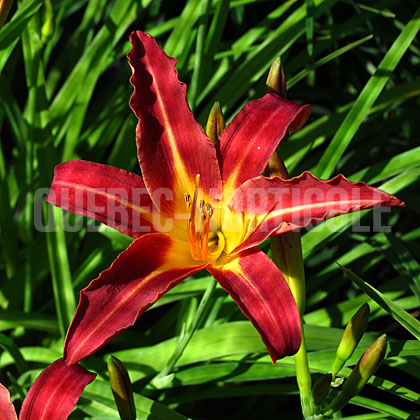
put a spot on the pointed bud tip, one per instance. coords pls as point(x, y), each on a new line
point(121, 388)
point(276, 80)
point(367, 366)
point(353, 333)
point(276, 167)
point(374, 355)
point(215, 123)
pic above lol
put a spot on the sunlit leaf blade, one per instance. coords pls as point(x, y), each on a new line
point(404, 318)
point(18, 21)
point(366, 99)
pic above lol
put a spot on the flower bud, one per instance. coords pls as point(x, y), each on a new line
point(215, 123)
point(366, 367)
point(276, 167)
point(121, 388)
point(351, 338)
point(5, 6)
point(276, 80)
point(321, 389)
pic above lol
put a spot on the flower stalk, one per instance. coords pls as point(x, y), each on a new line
point(286, 251)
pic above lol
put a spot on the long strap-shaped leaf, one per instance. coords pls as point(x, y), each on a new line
point(366, 99)
point(400, 315)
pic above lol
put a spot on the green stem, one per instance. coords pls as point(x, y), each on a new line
point(186, 337)
point(303, 377)
point(287, 255)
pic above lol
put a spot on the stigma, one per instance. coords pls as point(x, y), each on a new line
point(205, 245)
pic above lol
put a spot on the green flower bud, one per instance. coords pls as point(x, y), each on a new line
point(351, 338)
point(276, 80)
point(321, 389)
point(121, 388)
point(366, 367)
point(215, 123)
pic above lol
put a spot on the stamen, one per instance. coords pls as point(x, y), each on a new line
point(199, 228)
point(205, 234)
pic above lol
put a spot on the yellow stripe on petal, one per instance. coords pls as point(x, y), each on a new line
point(271, 206)
point(172, 146)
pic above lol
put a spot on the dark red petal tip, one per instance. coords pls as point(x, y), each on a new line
point(113, 196)
point(172, 146)
point(263, 295)
point(252, 136)
point(299, 202)
point(7, 410)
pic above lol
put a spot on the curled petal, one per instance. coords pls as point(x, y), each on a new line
point(172, 146)
point(269, 206)
point(55, 392)
point(115, 197)
point(260, 290)
point(249, 140)
point(150, 266)
point(7, 410)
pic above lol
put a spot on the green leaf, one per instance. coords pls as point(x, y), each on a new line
point(404, 318)
point(8, 345)
point(12, 29)
point(65, 302)
point(10, 319)
point(102, 404)
point(366, 99)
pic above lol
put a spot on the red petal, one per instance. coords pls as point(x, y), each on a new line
point(55, 392)
point(249, 140)
point(7, 410)
point(139, 276)
point(270, 206)
point(115, 197)
point(172, 146)
point(260, 290)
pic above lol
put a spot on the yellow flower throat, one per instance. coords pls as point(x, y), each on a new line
point(204, 245)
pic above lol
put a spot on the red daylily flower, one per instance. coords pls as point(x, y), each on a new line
point(52, 396)
point(197, 206)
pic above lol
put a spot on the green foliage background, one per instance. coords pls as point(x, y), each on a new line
point(64, 95)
